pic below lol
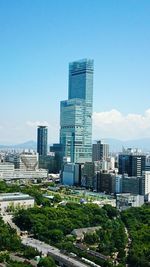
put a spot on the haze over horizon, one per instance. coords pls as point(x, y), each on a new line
point(37, 42)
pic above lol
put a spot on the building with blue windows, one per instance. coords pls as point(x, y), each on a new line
point(81, 80)
point(76, 113)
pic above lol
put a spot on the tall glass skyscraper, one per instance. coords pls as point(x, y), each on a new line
point(81, 80)
point(76, 112)
point(42, 136)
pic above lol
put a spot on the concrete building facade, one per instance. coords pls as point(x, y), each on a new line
point(11, 201)
point(100, 151)
point(127, 200)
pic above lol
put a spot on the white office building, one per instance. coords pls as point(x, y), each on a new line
point(127, 200)
point(8, 172)
point(9, 201)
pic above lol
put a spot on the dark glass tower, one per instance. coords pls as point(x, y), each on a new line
point(133, 165)
point(42, 135)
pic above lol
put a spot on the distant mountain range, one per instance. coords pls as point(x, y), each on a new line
point(115, 144)
point(27, 145)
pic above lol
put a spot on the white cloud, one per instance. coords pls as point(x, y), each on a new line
point(21, 132)
point(106, 124)
point(116, 125)
point(53, 129)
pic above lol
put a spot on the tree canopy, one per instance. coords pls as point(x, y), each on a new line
point(137, 221)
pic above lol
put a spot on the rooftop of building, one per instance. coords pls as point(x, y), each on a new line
point(42, 126)
point(124, 195)
point(14, 196)
point(81, 231)
point(6, 163)
point(81, 64)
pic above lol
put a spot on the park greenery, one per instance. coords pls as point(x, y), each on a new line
point(137, 221)
point(9, 241)
point(46, 262)
point(111, 239)
point(59, 223)
point(17, 264)
point(5, 188)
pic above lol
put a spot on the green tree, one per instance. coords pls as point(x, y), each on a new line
point(29, 252)
point(4, 256)
point(56, 235)
point(57, 198)
point(111, 211)
point(91, 238)
point(18, 264)
point(46, 262)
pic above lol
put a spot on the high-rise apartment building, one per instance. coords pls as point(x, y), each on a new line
point(42, 137)
point(106, 182)
point(76, 113)
point(100, 151)
point(146, 185)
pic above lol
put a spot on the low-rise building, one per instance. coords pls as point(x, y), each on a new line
point(131, 185)
point(8, 172)
point(105, 201)
point(127, 200)
point(5, 169)
point(79, 233)
point(27, 160)
point(9, 201)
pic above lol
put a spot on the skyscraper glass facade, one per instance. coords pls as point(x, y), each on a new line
point(81, 80)
point(42, 136)
point(76, 113)
point(131, 164)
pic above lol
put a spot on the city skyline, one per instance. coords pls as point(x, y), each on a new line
point(37, 42)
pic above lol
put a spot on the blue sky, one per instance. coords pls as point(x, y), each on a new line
point(37, 41)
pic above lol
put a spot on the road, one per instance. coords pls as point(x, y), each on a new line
point(127, 248)
point(52, 251)
point(8, 219)
point(93, 253)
